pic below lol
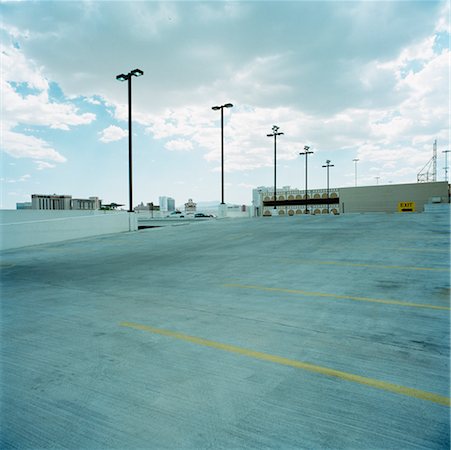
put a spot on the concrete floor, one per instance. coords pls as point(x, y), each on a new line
point(282, 332)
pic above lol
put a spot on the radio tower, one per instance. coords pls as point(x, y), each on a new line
point(429, 172)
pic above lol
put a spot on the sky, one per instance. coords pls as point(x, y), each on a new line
point(366, 80)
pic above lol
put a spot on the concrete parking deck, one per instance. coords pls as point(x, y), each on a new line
point(282, 332)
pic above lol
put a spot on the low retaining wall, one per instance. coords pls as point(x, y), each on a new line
point(32, 227)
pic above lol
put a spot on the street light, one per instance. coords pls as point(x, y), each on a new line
point(306, 153)
point(216, 108)
point(275, 133)
point(128, 77)
point(377, 180)
point(328, 164)
point(355, 169)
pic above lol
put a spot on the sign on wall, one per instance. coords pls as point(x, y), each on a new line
point(406, 207)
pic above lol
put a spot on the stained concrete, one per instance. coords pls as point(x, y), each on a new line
point(364, 295)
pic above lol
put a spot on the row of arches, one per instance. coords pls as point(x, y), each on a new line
point(300, 197)
point(292, 212)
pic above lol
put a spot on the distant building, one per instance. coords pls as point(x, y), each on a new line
point(190, 206)
point(51, 201)
point(146, 207)
point(411, 197)
point(167, 204)
point(91, 203)
point(23, 205)
point(294, 201)
point(64, 202)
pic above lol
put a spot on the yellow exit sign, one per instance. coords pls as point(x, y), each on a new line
point(406, 207)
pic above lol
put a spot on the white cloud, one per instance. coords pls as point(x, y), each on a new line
point(362, 77)
point(112, 133)
point(19, 145)
point(25, 101)
point(41, 165)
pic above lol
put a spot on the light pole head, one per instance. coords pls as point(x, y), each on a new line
point(137, 73)
point(275, 128)
point(306, 148)
point(122, 77)
point(215, 108)
point(228, 105)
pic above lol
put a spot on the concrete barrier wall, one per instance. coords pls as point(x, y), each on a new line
point(32, 227)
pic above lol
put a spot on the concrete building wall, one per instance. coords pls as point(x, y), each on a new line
point(32, 227)
point(386, 198)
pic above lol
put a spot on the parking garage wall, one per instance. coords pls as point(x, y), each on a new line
point(386, 198)
point(22, 228)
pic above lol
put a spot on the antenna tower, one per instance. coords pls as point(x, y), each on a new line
point(429, 172)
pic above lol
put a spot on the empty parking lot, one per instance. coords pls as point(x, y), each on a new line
point(282, 332)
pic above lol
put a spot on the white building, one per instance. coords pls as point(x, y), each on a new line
point(54, 201)
point(91, 203)
point(64, 202)
point(167, 204)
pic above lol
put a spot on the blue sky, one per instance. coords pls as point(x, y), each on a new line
point(351, 79)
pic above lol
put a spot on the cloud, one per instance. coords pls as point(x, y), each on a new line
point(26, 101)
point(41, 165)
point(112, 133)
point(20, 145)
point(254, 52)
point(360, 76)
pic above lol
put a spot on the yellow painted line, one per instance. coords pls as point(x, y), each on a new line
point(395, 388)
point(373, 266)
point(344, 297)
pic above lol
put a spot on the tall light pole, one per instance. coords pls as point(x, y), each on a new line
point(377, 180)
point(216, 108)
point(306, 153)
point(128, 77)
point(328, 164)
point(275, 133)
point(355, 169)
point(446, 163)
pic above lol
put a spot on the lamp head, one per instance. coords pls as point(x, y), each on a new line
point(137, 73)
point(306, 148)
point(216, 108)
point(228, 105)
point(122, 77)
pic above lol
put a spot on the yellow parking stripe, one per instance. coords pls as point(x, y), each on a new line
point(372, 266)
point(344, 297)
point(395, 388)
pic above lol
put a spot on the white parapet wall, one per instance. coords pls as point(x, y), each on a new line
point(23, 228)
